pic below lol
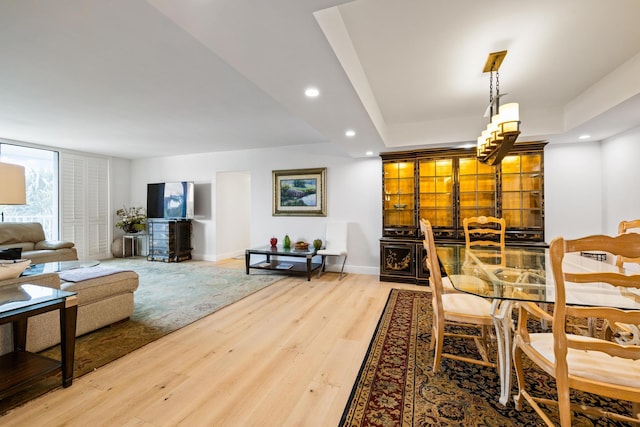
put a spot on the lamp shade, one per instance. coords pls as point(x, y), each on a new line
point(12, 185)
point(510, 116)
point(510, 112)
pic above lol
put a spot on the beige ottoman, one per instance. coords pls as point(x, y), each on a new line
point(105, 296)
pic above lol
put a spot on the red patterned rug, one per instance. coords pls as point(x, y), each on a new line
point(396, 386)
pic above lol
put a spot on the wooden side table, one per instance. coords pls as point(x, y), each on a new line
point(21, 368)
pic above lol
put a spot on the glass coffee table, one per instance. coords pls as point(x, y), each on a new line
point(58, 266)
point(273, 258)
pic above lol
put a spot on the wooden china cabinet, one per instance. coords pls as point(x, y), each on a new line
point(447, 185)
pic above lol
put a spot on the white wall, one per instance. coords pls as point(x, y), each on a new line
point(573, 190)
point(621, 168)
point(589, 188)
point(353, 195)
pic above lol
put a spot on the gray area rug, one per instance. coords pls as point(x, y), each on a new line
point(172, 295)
point(169, 297)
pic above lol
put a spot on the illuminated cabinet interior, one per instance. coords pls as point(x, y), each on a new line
point(399, 193)
point(447, 185)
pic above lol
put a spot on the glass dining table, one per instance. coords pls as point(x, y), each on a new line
point(524, 274)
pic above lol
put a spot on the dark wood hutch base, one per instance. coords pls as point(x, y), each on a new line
point(169, 240)
point(447, 185)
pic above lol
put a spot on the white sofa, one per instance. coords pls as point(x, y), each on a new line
point(30, 237)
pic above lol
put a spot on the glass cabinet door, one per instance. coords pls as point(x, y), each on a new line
point(436, 192)
point(522, 192)
point(399, 194)
point(477, 188)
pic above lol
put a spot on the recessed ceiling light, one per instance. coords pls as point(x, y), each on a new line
point(369, 153)
point(311, 92)
point(350, 133)
point(584, 136)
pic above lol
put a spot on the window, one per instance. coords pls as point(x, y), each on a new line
point(41, 179)
point(67, 193)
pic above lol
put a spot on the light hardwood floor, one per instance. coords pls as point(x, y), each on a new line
point(287, 355)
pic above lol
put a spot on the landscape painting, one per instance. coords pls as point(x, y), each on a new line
point(299, 192)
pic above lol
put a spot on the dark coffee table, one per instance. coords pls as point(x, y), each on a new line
point(21, 368)
point(273, 259)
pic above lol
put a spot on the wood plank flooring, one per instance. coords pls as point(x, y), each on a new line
point(285, 356)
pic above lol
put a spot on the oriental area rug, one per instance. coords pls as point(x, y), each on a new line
point(169, 297)
point(396, 386)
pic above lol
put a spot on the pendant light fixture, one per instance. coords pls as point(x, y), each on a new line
point(502, 131)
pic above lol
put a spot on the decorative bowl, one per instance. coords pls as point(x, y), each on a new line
point(400, 206)
point(10, 269)
point(302, 246)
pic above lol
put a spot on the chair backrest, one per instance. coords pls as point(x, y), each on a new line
point(627, 245)
point(435, 276)
point(486, 235)
point(484, 231)
point(336, 238)
point(632, 226)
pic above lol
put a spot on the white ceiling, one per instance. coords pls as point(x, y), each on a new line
point(134, 78)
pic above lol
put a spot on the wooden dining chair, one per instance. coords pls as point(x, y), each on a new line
point(454, 308)
point(624, 332)
point(623, 228)
point(581, 362)
point(486, 232)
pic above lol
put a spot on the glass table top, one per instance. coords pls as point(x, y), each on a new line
point(525, 274)
point(279, 250)
point(14, 297)
point(58, 266)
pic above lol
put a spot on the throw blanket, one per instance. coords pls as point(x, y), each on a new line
point(80, 274)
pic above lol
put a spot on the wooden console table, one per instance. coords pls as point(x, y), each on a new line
point(271, 260)
point(21, 368)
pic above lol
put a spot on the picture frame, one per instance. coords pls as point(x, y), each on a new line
point(300, 192)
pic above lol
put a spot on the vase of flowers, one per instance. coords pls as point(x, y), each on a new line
point(131, 220)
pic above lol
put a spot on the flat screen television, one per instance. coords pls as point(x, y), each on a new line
point(170, 200)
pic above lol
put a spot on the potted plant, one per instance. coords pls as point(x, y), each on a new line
point(131, 220)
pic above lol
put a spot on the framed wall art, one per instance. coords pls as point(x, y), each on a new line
point(300, 192)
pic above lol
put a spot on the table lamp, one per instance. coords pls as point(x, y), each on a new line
point(12, 188)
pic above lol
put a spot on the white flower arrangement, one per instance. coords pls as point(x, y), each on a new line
point(132, 220)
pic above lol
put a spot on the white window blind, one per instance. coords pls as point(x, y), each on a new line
point(84, 207)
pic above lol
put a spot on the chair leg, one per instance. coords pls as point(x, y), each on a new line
point(481, 344)
point(432, 343)
point(564, 402)
point(342, 269)
point(438, 332)
point(321, 269)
